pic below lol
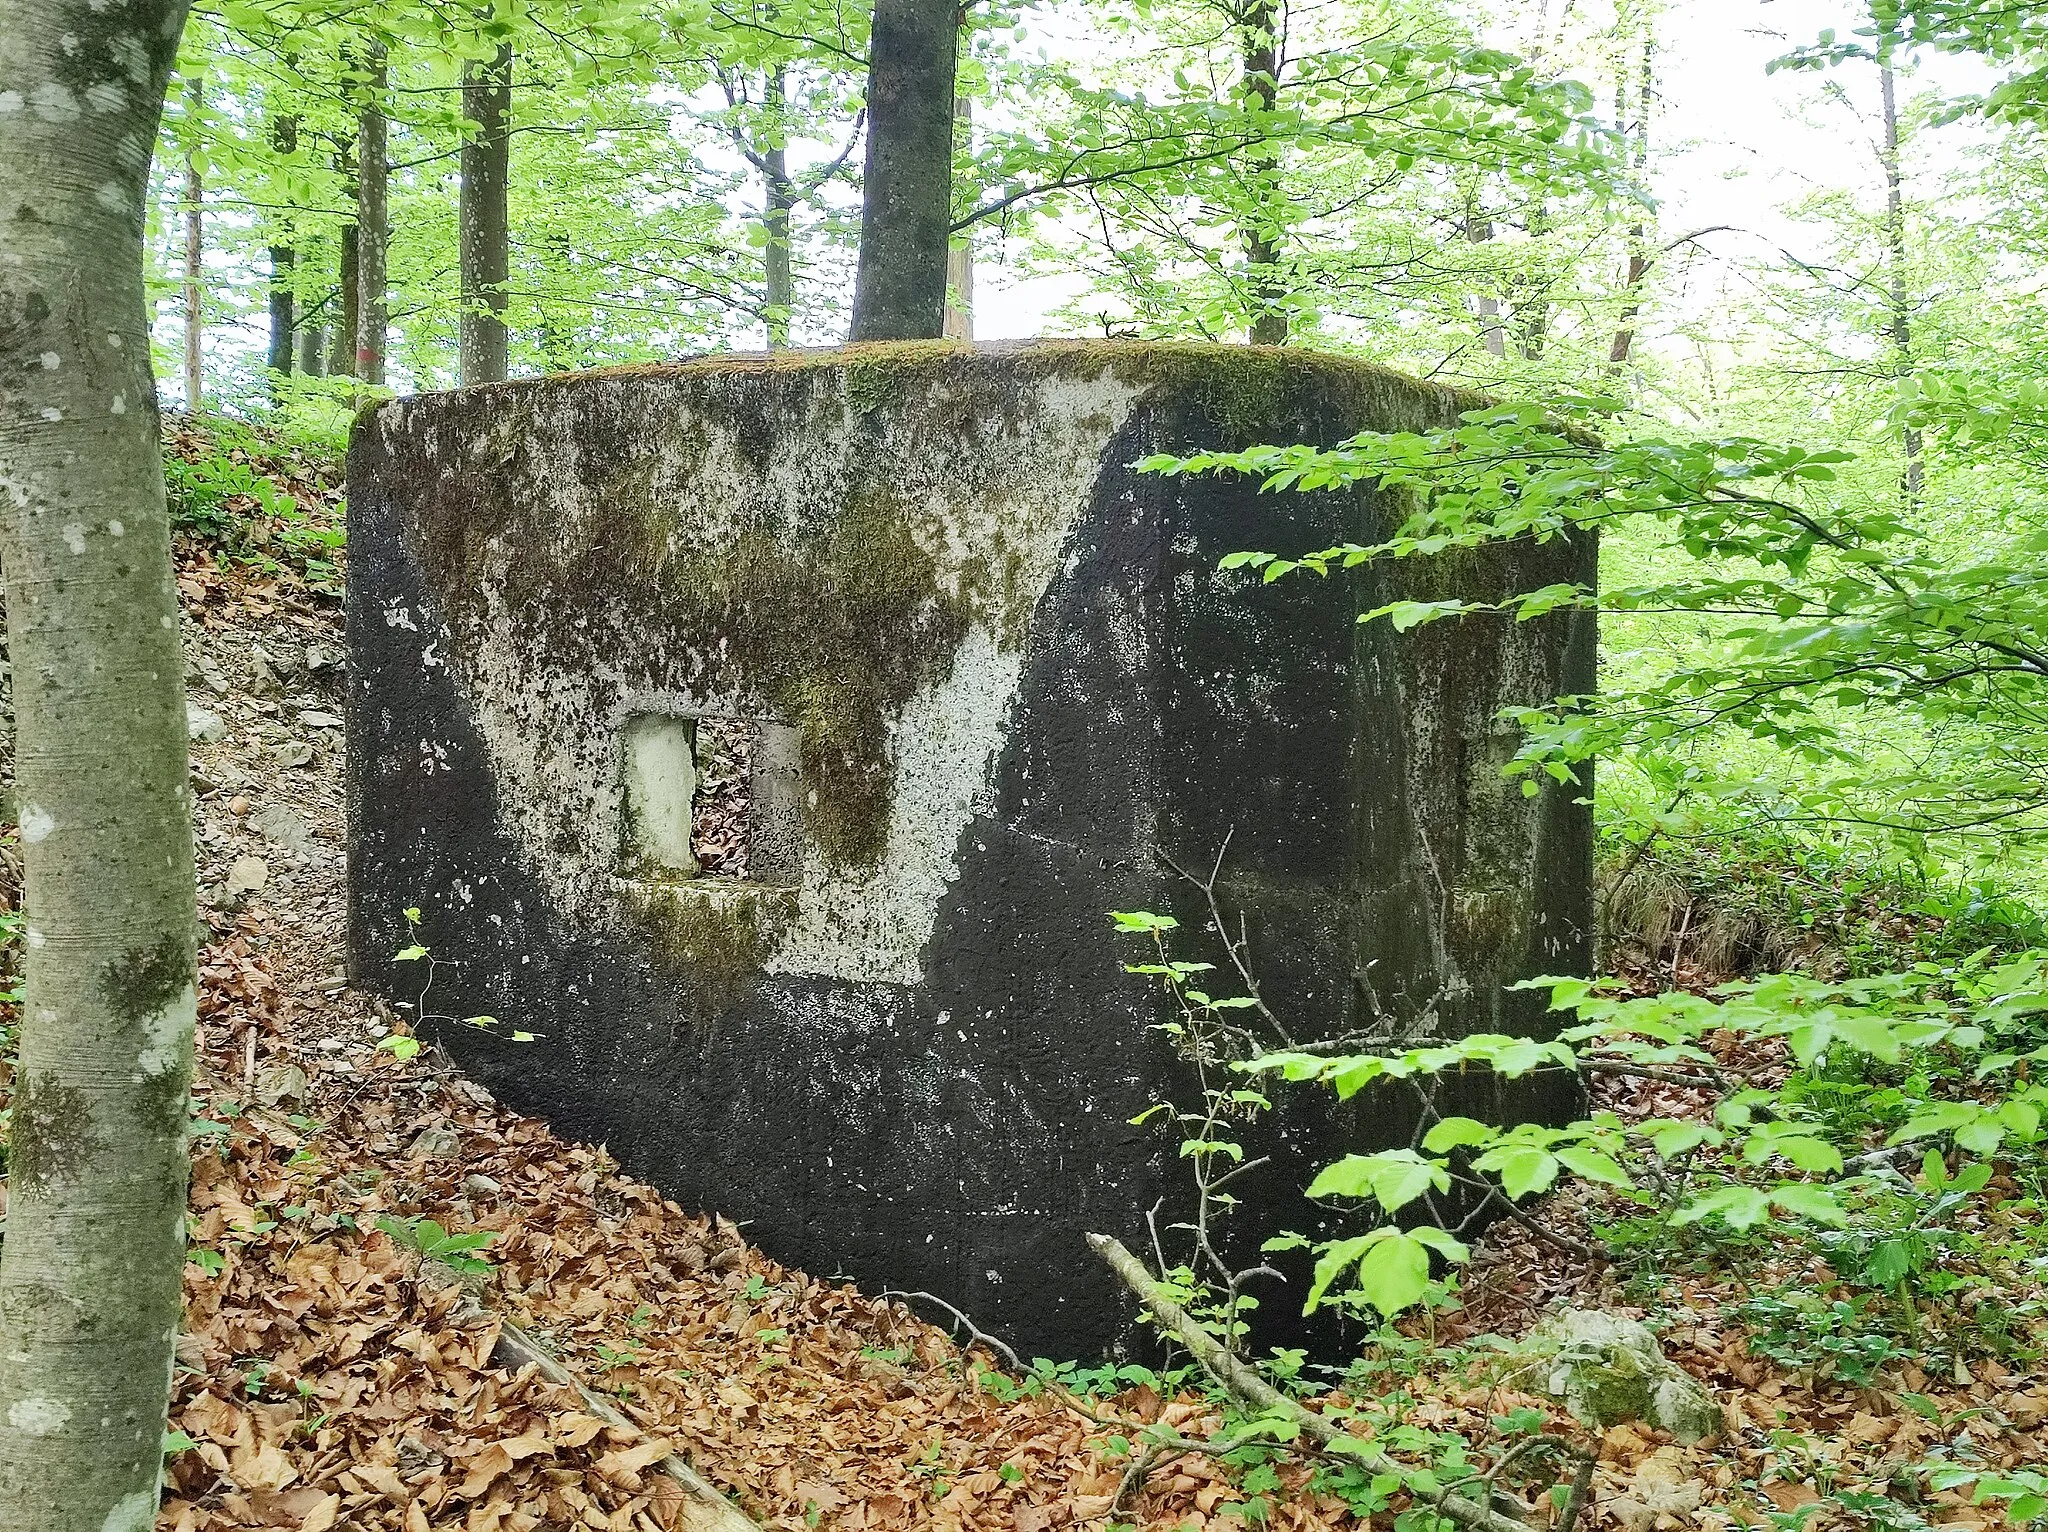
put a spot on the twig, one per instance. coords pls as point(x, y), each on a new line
point(703, 1508)
point(1243, 1383)
point(1575, 1502)
point(976, 1336)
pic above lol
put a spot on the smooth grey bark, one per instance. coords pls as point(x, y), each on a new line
point(778, 272)
point(484, 217)
point(312, 351)
point(899, 290)
point(959, 321)
point(90, 1271)
point(373, 221)
point(341, 356)
point(1266, 289)
point(195, 269)
point(284, 139)
point(1640, 255)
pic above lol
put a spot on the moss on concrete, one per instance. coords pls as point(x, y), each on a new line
point(711, 933)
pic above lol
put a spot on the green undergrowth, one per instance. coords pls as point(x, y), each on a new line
point(259, 496)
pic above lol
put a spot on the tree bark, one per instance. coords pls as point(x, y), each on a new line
point(195, 264)
point(341, 356)
point(90, 1271)
point(373, 224)
point(284, 139)
point(959, 321)
point(778, 200)
point(899, 290)
point(485, 218)
point(1914, 479)
point(1261, 240)
point(1639, 254)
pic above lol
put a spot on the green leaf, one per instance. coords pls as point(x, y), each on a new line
point(1393, 1178)
point(1802, 1199)
point(1458, 1133)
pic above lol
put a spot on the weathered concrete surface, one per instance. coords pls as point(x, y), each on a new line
point(1008, 679)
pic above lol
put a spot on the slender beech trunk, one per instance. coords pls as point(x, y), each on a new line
point(1639, 251)
point(312, 351)
point(195, 264)
point(485, 218)
point(284, 139)
point(1265, 288)
point(90, 1271)
point(899, 290)
point(373, 221)
point(1914, 479)
point(959, 321)
point(341, 355)
point(778, 200)
point(1479, 231)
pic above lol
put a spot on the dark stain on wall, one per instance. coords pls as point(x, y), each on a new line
point(959, 1134)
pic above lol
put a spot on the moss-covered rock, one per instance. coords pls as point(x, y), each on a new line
point(1609, 1371)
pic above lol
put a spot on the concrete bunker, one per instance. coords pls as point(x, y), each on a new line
point(772, 735)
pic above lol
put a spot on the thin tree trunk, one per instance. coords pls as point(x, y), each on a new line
point(485, 218)
point(1639, 255)
point(341, 355)
point(90, 1271)
point(1261, 239)
point(899, 290)
point(1479, 231)
point(1914, 480)
point(312, 351)
point(373, 224)
point(195, 264)
point(284, 139)
point(959, 321)
point(778, 198)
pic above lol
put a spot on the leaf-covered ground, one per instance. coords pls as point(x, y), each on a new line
point(321, 1384)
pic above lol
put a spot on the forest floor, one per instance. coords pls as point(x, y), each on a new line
point(323, 1384)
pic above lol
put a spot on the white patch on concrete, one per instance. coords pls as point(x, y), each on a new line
point(38, 1417)
point(167, 1035)
point(74, 537)
point(1007, 499)
point(53, 103)
point(36, 823)
point(134, 1513)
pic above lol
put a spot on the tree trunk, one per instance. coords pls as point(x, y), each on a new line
point(373, 223)
point(1265, 288)
point(778, 195)
point(1479, 231)
point(312, 351)
point(485, 218)
point(1639, 254)
point(899, 289)
point(90, 1271)
point(341, 355)
point(1914, 480)
point(195, 265)
point(284, 139)
point(959, 322)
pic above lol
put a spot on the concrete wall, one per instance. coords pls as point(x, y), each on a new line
point(992, 678)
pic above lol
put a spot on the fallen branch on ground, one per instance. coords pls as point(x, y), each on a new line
point(703, 1509)
point(1244, 1384)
